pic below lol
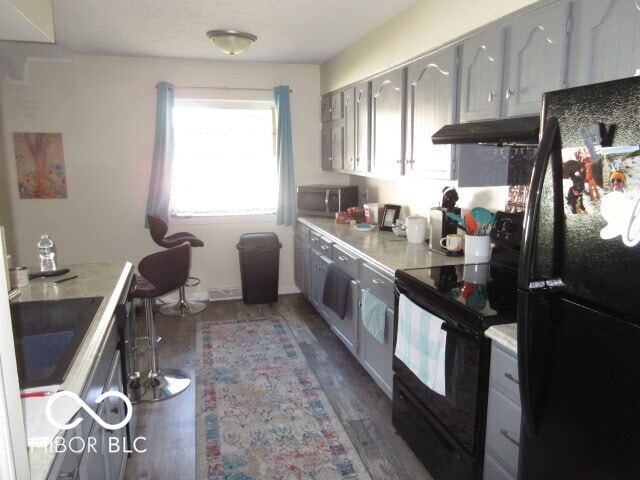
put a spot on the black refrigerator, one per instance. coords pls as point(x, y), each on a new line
point(579, 289)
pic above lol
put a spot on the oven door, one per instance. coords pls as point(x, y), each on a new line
point(459, 409)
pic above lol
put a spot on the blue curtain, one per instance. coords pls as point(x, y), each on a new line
point(286, 212)
point(162, 167)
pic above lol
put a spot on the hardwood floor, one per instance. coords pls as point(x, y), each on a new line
point(363, 408)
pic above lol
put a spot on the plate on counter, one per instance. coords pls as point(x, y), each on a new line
point(364, 227)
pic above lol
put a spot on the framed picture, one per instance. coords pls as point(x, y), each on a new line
point(389, 215)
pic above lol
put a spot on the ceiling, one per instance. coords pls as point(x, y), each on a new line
point(288, 31)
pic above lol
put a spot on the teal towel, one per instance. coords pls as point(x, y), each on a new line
point(374, 315)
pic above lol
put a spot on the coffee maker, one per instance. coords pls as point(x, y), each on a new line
point(440, 225)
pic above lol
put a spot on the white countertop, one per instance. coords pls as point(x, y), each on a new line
point(387, 255)
point(505, 335)
point(391, 255)
point(94, 280)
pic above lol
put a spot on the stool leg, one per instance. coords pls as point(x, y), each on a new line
point(132, 360)
point(182, 308)
point(159, 384)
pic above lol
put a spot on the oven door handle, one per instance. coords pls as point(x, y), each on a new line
point(450, 328)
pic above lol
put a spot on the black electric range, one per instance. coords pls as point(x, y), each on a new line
point(446, 427)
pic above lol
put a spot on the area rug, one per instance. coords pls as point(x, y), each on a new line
point(260, 410)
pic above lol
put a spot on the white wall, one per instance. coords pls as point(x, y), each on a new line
point(105, 109)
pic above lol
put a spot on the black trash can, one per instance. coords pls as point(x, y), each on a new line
point(259, 267)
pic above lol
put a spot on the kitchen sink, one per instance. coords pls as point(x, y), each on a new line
point(47, 335)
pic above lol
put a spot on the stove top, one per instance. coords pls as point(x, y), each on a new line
point(484, 294)
point(485, 289)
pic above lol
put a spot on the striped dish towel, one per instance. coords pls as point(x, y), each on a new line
point(421, 344)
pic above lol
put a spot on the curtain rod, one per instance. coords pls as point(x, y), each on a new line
point(224, 88)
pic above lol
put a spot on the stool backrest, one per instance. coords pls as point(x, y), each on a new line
point(158, 228)
point(167, 270)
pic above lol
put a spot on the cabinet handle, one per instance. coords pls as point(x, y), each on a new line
point(506, 435)
point(377, 281)
point(512, 378)
point(115, 410)
point(73, 474)
point(342, 259)
point(324, 247)
point(409, 162)
point(400, 161)
point(492, 97)
point(508, 94)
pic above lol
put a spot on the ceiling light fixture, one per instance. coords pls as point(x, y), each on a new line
point(230, 41)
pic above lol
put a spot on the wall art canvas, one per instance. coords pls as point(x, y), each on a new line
point(40, 165)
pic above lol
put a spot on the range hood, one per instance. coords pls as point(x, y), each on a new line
point(510, 131)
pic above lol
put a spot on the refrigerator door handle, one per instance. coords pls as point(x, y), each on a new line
point(549, 147)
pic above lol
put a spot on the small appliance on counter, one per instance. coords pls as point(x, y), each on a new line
point(440, 225)
point(325, 200)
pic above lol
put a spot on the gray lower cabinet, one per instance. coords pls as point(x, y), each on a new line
point(346, 328)
point(503, 416)
point(320, 259)
point(316, 255)
point(375, 356)
point(104, 454)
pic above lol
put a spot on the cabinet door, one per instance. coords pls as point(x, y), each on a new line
point(431, 92)
point(362, 126)
point(337, 145)
point(536, 58)
point(320, 264)
point(326, 146)
point(325, 108)
point(349, 110)
point(298, 263)
point(346, 329)
point(481, 72)
point(115, 412)
point(613, 38)
point(377, 357)
point(387, 107)
point(94, 463)
point(331, 107)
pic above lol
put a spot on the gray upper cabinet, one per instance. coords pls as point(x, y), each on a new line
point(431, 93)
point(536, 58)
point(356, 111)
point(349, 110)
point(362, 126)
point(481, 72)
point(505, 69)
point(387, 123)
point(331, 107)
point(607, 40)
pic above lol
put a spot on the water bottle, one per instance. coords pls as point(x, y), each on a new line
point(47, 254)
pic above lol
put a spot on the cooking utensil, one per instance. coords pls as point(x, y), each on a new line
point(460, 221)
point(471, 224)
point(482, 215)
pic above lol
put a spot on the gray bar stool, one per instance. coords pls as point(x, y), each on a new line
point(160, 273)
point(158, 229)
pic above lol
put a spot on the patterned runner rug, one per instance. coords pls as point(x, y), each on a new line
point(260, 410)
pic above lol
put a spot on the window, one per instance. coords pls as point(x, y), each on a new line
point(224, 158)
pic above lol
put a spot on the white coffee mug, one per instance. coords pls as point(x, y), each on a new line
point(452, 242)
